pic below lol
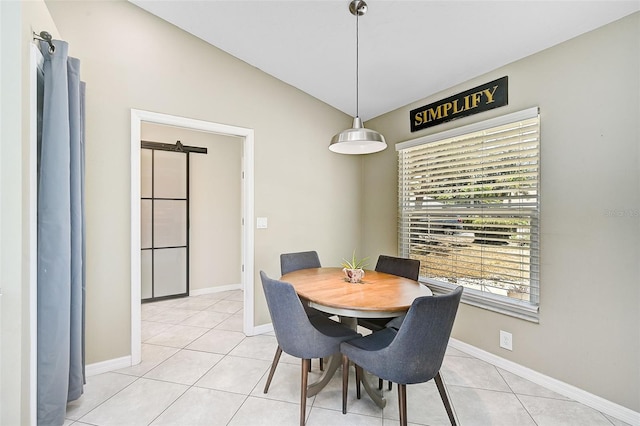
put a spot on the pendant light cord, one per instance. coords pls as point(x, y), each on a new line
point(357, 66)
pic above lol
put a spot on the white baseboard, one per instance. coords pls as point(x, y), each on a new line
point(219, 289)
point(106, 366)
point(597, 403)
point(261, 329)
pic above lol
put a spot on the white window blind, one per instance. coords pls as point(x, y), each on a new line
point(469, 210)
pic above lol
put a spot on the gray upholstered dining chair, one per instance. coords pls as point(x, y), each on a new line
point(402, 267)
point(297, 334)
point(412, 354)
point(290, 262)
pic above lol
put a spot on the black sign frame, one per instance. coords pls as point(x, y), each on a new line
point(479, 99)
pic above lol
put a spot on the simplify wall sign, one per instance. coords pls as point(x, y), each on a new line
point(482, 98)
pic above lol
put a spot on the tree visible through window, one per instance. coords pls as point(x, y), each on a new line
point(469, 207)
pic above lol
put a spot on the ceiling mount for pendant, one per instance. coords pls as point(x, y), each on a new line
point(358, 7)
point(358, 139)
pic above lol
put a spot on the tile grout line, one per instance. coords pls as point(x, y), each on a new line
point(138, 377)
point(516, 395)
point(189, 387)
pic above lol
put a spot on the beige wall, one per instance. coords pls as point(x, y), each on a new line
point(308, 194)
point(214, 204)
point(588, 93)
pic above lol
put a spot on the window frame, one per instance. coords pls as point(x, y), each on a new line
point(527, 310)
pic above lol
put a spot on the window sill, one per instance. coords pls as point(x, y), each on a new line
point(502, 305)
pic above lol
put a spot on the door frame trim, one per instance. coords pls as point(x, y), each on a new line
point(246, 135)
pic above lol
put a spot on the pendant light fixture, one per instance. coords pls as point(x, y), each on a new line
point(358, 139)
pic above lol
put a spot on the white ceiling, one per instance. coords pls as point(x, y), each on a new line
point(408, 49)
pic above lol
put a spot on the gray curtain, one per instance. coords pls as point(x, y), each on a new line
point(61, 242)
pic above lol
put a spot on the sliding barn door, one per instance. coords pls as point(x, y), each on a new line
point(164, 211)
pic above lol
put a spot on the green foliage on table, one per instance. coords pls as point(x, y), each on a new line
point(355, 263)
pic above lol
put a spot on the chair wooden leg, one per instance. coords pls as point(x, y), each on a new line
point(274, 364)
point(402, 404)
point(345, 382)
point(359, 374)
point(390, 385)
point(303, 390)
point(321, 364)
point(445, 398)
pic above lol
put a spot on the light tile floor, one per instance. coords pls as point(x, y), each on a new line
point(198, 368)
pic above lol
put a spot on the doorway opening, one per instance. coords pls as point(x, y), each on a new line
point(244, 136)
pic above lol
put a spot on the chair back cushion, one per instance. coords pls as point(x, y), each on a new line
point(415, 352)
point(422, 340)
point(290, 262)
point(295, 333)
point(407, 268)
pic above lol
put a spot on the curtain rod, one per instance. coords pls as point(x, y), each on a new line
point(45, 36)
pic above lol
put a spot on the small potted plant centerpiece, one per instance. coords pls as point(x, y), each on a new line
point(354, 269)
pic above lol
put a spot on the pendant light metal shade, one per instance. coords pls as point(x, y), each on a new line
point(358, 139)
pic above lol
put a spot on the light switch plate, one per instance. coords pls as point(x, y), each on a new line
point(261, 222)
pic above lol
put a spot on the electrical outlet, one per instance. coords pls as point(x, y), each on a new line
point(506, 340)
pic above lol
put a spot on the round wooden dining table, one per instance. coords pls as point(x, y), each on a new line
point(379, 295)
